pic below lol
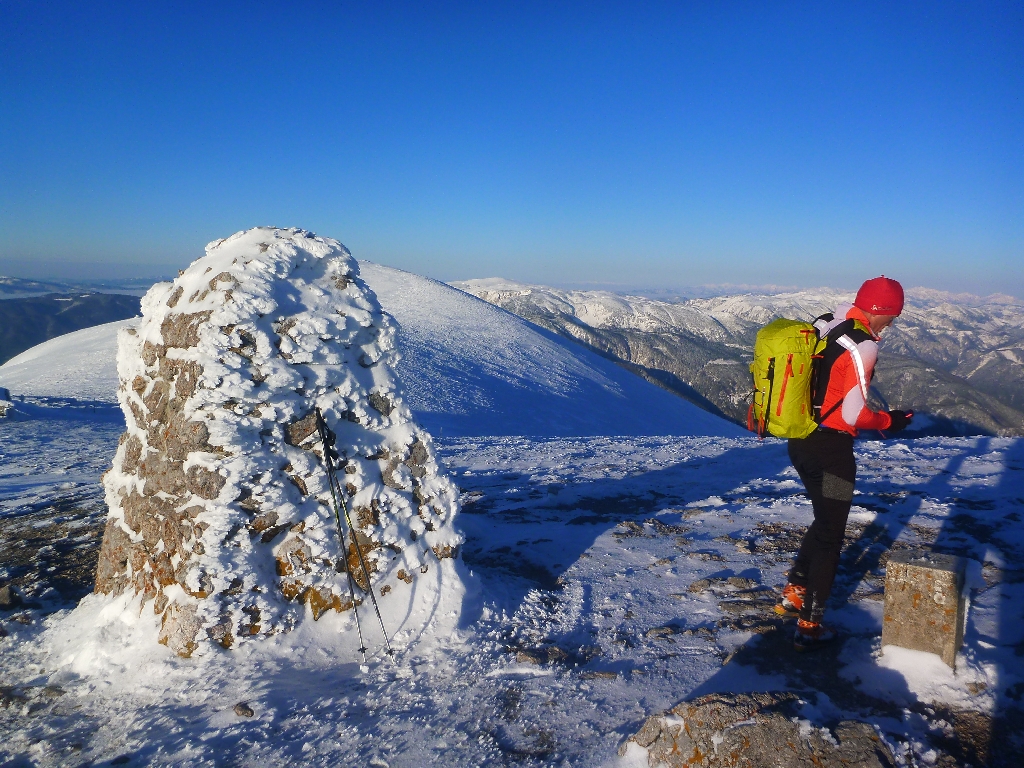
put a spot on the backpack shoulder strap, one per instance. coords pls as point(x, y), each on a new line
point(831, 352)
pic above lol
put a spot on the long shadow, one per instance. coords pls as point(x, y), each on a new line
point(975, 524)
point(771, 650)
point(867, 553)
point(996, 741)
point(63, 409)
point(537, 538)
point(978, 522)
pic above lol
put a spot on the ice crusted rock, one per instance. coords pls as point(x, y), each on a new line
point(754, 729)
point(220, 513)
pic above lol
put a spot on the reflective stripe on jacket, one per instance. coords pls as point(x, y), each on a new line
point(846, 375)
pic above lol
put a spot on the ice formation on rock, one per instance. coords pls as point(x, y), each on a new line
point(219, 507)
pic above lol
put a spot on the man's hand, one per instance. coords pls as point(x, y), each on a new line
point(900, 420)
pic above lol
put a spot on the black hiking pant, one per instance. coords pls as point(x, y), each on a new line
point(825, 463)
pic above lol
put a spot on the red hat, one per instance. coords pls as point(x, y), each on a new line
point(880, 296)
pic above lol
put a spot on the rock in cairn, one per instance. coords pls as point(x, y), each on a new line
point(220, 517)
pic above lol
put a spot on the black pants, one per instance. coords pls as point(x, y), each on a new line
point(825, 462)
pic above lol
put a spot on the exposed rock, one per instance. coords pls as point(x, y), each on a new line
point(220, 386)
point(381, 404)
point(722, 584)
point(179, 628)
point(244, 710)
point(629, 530)
point(658, 632)
point(301, 429)
point(758, 729)
point(9, 598)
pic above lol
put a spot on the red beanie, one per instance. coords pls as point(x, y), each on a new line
point(880, 296)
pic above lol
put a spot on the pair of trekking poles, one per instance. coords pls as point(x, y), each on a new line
point(330, 455)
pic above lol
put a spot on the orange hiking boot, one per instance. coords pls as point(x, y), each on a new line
point(811, 635)
point(791, 602)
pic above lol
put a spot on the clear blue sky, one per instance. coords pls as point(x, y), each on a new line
point(631, 144)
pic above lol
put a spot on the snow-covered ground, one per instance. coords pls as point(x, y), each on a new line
point(80, 365)
point(610, 576)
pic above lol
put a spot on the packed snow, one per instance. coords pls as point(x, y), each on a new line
point(608, 577)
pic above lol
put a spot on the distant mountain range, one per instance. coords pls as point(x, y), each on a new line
point(19, 288)
point(33, 319)
point(956, 359)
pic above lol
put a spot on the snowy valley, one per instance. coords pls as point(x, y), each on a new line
point(622, 550)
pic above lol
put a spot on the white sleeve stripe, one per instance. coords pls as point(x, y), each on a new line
point(847, 343)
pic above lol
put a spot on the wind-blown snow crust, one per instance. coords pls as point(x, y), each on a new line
point(220, 510)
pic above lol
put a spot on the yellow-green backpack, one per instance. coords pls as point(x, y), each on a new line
point(783, 369)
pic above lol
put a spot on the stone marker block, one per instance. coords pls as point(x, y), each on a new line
point(924, 603)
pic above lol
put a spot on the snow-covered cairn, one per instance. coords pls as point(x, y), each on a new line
point(220, 510)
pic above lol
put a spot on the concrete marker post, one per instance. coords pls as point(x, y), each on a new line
point(924, 603)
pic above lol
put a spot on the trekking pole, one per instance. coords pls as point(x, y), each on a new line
point(326, 443)
point(332, 478)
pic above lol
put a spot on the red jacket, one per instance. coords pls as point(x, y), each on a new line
point(846, 377)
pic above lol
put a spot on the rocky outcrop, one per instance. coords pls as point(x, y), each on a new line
point(756, 729)
point(221, 517)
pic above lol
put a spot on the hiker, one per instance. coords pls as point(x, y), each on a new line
point(824, 458)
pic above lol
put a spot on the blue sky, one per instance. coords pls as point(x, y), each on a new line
point(644, 145)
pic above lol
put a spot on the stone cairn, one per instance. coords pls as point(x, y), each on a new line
point(219, 505)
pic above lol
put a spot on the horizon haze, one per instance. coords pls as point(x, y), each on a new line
point(663, 146)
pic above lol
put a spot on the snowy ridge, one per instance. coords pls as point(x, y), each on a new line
point(468, 367)
point(601, 309)
point(473, 369)
point(741, 313)
point(82, 365)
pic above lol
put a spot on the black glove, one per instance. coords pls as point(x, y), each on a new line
point(900, 420)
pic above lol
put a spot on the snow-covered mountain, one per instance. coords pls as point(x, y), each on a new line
point(957, 358)
point(27, 321)
point(470, 368)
